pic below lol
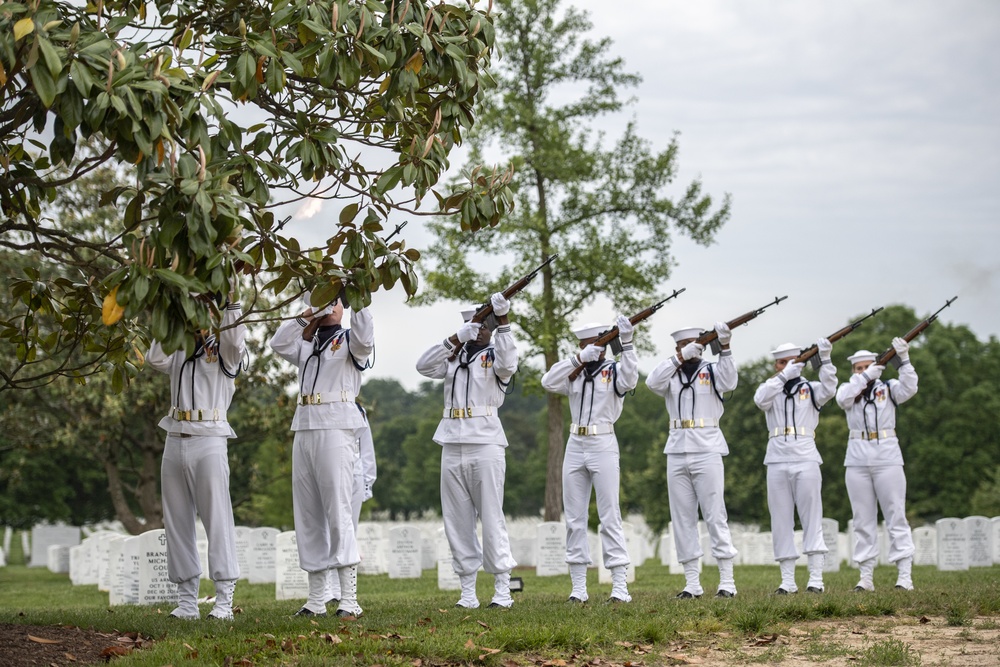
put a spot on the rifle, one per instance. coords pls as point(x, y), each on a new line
point(890, 354)
point(712, 338)
point(610, 337)
point(809, 354)
point(485, 314)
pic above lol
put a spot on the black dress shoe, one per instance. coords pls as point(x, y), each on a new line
point(495, 605)
point(309, 612)
point(722, 593)
point(902, 588)
point(333, 602)
point(782, 591)
point(343, 613)
point(814, 589)
point(686, 595)
point(575, 600)
point(861, 589)
point(614, 600)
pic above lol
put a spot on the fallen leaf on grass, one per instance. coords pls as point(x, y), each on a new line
point(70, 657)
point(42, 640)
point(484, 625)
point(333, 639)
point(554, 663)
point(117, 652)
point(625, 644)
point(682, 659)
point(489, 651)
point(417, 663)
point(442, 611)
point(924, 620)
point(765, 640)
point(470, 644)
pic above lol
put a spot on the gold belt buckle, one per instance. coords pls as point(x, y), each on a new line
point(789, 430)
point(581, 430)
point(184, 415)
point(873, 435)
point(687, 423)
point(457, 413)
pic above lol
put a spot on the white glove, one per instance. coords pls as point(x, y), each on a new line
point(902, 348)
point(825, 348)
point(468, 331)
point(725, 335)
point(323, 313)
point(368, 492)
point(873, 372)
point(692, 350)
point(625, 329)
point(791, 371)
point(590, 353)
point(501, 306)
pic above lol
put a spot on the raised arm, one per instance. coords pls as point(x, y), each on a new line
point(726, 375)
point(362, 342)
point(287, 340)
point(433, 363)
point(556, 379)
point(156, 359)
point(659, 380)
point(768, 390)
point(826, 388)
point(232, 339)
point(505, 363)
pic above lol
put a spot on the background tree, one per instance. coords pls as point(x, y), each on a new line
point(357, 102)
point(603, 208)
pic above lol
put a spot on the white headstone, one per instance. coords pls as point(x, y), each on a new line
point(883, 545)
point(58, 558)
point(428, 550)
point(43, 536)
point(78, 564)
point(243, 551)
point(753, 549)
point(953, 544)
point(3, 558)
point(8, 533)
point(831, 532)
point(980, 541)
point(631, 545)
point(102, 552)
point(766, 541)
point(25, 544)
point(154, 586)
point(291, 582)
point(120, 566)
point(372, 547)
point(594, 544)
point(844, 548)
point(925, 545)
point(666, 549)
point(447, 579)
point(551, 554)
point(260, 558)
point(404, 552)
point(131, 569)
point(995, 523)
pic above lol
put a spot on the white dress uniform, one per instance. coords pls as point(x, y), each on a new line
point(694, 449)
point(194, 476)
point(874, 467)
point(794, 480)
point(327, 425)
point(473, 464)
point(592, 458)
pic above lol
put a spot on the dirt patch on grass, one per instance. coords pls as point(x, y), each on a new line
point(887, 640)
point(45, 645)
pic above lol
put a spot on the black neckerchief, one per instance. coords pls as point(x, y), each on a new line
point(325, 333)
point(690, 370)
point(790, 389)
point(690, 367)
point(321, 340)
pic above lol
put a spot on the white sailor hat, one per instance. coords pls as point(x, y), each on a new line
point(862, 355)
point(786, 350)
point(590, 330)
point(468, 312)
point(685, 334)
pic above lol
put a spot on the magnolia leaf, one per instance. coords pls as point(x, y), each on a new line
point(23, 27)
point(111, 312)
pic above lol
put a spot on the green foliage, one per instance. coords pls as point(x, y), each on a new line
point(605, 209)
point(889, 652)
point(360, 102)
point(986, 499)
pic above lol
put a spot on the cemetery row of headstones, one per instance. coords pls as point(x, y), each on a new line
point(133, 570)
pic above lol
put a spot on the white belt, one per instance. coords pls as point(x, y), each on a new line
point(873, 435)
point(591, 429)
point(320, 398)
point(463, 413)
point(693, 423)
point(199, 415)
point(791, 430)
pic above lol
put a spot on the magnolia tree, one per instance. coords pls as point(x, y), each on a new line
point(357, 101)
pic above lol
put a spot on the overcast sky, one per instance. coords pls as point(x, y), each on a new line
point(859, 139)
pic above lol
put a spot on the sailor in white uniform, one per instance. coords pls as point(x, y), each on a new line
point(794, 481)
point(693, 389)
point(591, 461)
point(476, 372)
point(194, 476)
point(327, 425)
point(874, 461)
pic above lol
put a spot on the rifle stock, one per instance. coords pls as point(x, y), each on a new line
point(811, 351)
point(611, 334)
point(711, 337)
point(890, 354)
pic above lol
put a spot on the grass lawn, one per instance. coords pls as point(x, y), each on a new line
point(950, 617)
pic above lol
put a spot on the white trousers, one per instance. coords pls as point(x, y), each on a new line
point(194, 481)
point(869, 487)
point(472, 479)
point(693, 481)
point(792, 486)
point(582, 471)
point(322, 486)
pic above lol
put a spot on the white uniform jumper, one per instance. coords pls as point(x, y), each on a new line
point(596, 398)
point(874, 469)
point(473, 464)
point(694, 449)
point(794, 480)
point(327, 425)
point(194, 476)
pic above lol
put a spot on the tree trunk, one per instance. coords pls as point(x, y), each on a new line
point(553, 476)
